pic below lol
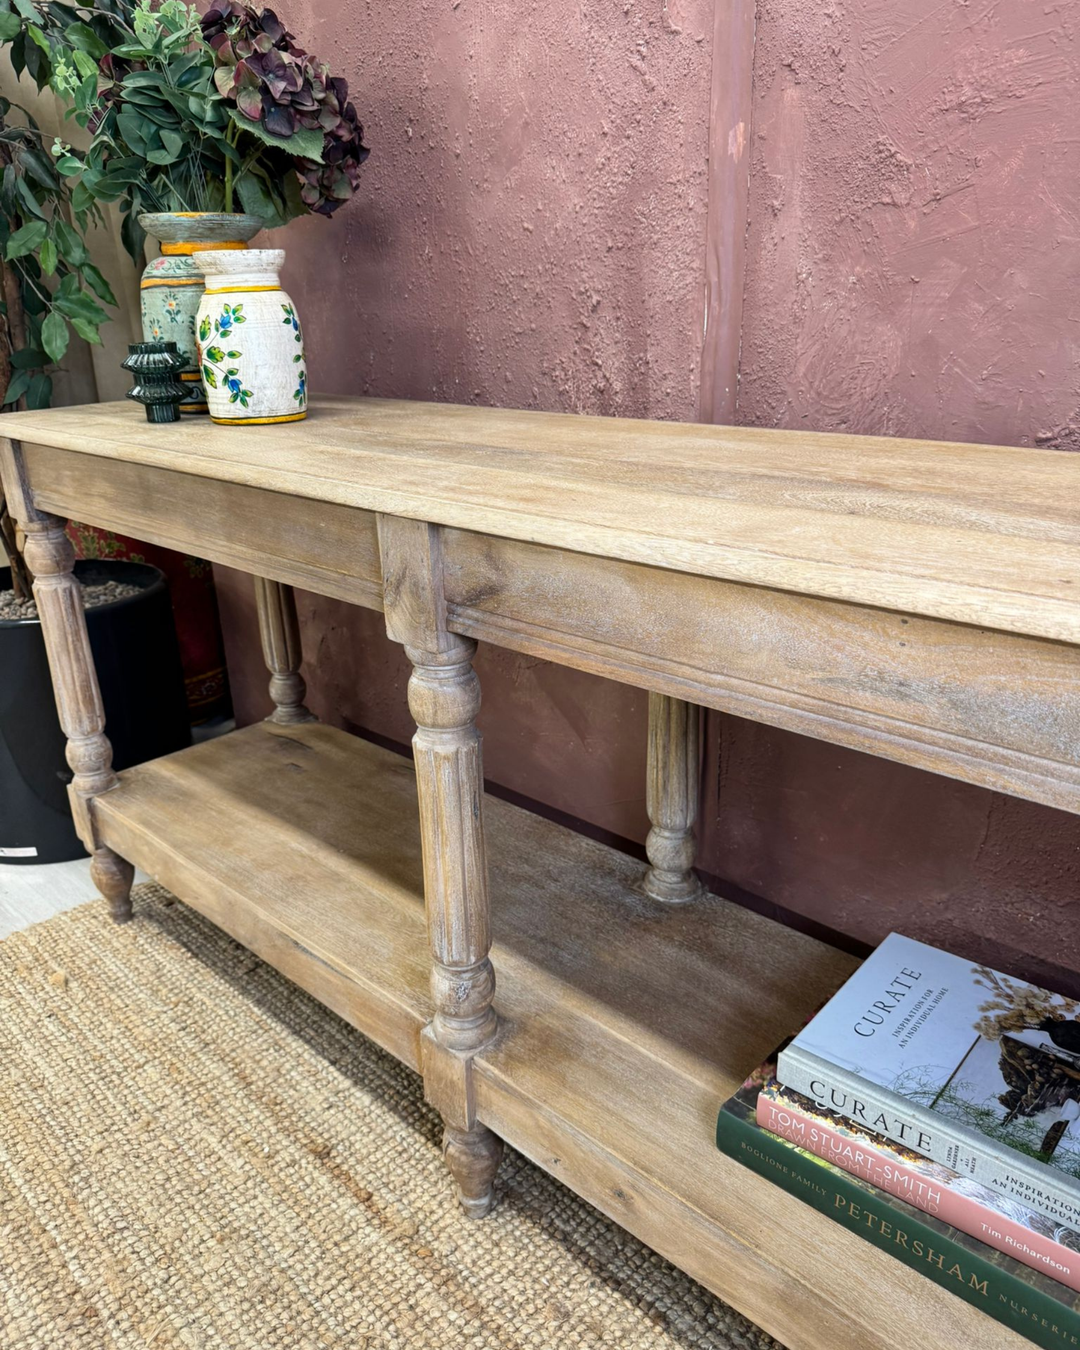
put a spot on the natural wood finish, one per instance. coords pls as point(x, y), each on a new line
point(58, 596)
point(444, 698)
point(989, 707)
point(611, 1071)
point(299, 541)
point(303, 844)
point(280, 634)
point(671, 797)
point(984, 705)
point(114, 877)
point(973, 533)
point(911, 599)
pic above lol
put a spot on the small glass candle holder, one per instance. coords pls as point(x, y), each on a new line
point(154, 367)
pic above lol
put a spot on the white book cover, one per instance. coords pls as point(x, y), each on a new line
point(976, 1069)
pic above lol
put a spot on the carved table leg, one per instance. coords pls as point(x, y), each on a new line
point(78, 698)
point(280, 635)
point(444, 697)
point(671, 795)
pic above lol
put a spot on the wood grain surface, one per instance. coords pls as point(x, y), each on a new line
point(614, 1055)
point(980, 534)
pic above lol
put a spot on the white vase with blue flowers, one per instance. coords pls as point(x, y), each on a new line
point(250, 343)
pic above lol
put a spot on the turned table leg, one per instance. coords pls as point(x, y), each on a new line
point(444, 698)
point(280, 633)
point(78, 699)
point(671, 798)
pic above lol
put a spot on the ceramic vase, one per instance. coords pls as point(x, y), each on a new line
point(251, 346)
point(172, 285)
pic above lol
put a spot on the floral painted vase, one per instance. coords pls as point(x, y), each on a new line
point(251, 346)
point(172, 285)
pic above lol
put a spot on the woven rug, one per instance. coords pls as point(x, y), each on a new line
point(194, 1153)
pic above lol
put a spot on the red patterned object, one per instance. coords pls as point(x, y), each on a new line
point(194, 602)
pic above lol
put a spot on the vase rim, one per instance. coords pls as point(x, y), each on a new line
point(177, 227)
point(239, 262)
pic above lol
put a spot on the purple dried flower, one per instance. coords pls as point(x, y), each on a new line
point(274, 82)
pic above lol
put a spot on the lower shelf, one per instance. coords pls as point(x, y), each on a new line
point(625, 1023)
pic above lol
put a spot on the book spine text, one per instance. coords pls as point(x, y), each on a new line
point(916, 1127)
point(852, 1205)
point(888, 1174)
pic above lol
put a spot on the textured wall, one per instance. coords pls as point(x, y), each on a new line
point(532, 222)
point(915, 207)
point(912, 269)
point(532, 233)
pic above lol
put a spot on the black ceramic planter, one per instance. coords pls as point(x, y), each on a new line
point(142, 688)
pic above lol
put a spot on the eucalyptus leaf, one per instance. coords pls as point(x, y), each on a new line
point(257, 200)
point(173, 146)
point(130, 125)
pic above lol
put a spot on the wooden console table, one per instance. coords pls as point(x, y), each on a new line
point(918, 601)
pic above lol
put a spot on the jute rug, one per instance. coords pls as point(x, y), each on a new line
point(195, 1154)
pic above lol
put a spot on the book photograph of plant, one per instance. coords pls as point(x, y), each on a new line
point(1020, 1081)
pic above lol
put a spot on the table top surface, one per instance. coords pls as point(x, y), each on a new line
point(979, 534)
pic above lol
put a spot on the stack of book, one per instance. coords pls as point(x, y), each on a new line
point(933, 1107)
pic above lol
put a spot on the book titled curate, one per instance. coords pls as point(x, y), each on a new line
point(1025, 1299)
point(957, 1062)
point(1012, 1228)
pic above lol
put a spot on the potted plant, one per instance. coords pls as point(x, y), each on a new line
point(130, 623)
point(204, 131)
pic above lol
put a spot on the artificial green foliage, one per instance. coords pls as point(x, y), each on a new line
point(52, 287)
point(219, 113)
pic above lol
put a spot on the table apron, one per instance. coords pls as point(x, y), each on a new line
point(996, 709)
point(318, 546)
point(988, 707)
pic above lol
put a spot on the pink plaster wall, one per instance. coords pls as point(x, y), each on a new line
point(531, 230)
point(532, 233)
point(912, 269)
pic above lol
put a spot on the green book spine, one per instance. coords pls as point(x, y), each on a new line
point(881, 1219)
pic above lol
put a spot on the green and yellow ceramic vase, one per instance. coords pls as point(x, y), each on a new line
point(172, 285)
point(251, 345)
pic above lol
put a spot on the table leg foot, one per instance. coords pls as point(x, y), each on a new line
point(473, 1157)
point(113, 876)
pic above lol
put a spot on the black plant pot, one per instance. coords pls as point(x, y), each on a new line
point(142, 687)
